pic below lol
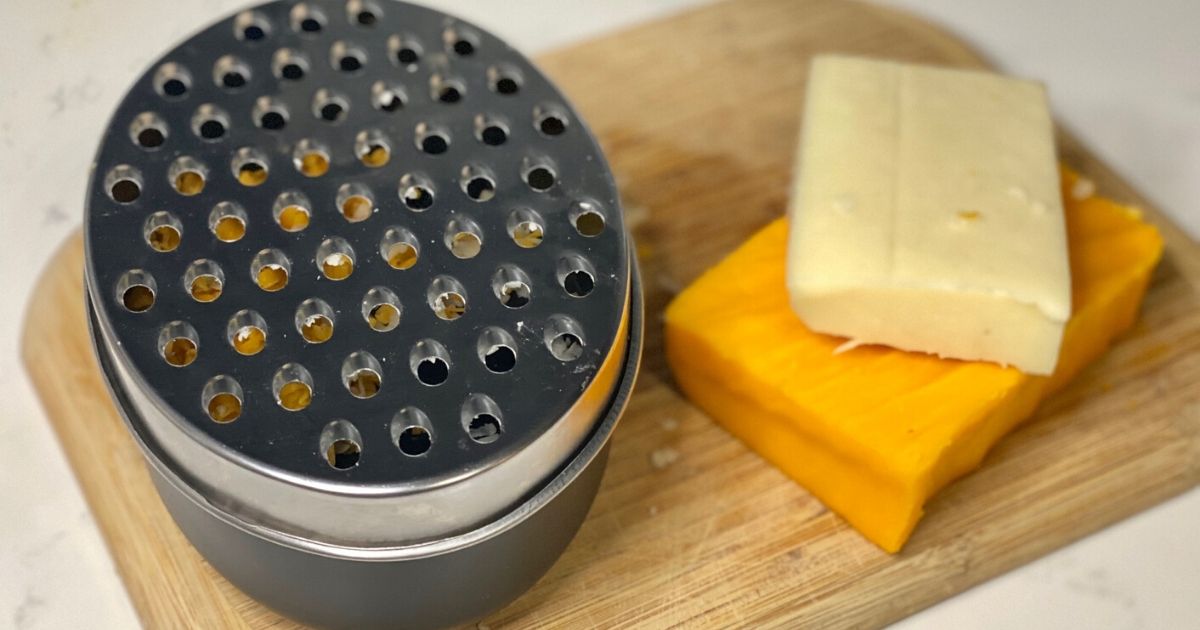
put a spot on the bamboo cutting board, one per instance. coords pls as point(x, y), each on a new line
point(699, 115)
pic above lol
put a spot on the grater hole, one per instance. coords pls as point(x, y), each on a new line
point(346, 57)
point(247, 332)
point(270, 269)
point(187, 176)
point(450, 305)
point(504, 79)
point(148, 130)
point(250, 167)
point(507, 85)
point(365, 18)
point(178, 343)
point(289, 65)
point(249, 340)
point(430, 362)
point(341, 445)
point(434, 144)
point(411, 431)
point(552, 125)
point(478, 183)
point(407, 56)
point(363, 12)
point(293, 218)
point(405, 51)
point(343, 454)
point(329, 106)
point(399, 248)
point(138, 298)
point(587, 218)
point(270, 114)
point(172, 80)
point(447, 298)
point(579, 283)
point(251, 26)
point(210, 122)
point(307, 19)
point(500, 359)
point(355, 202)
point(431, 140)
point(335, 258)
point(136, 290)
point(460, 41)
point(317, 329)
point(227, 221)
point(526, 228)
point(222, 398)
point(515, 294)
point(576, 275)
point(231, 73)
point(497, 350)
point(550, 120)
point(566, 347)
point(381, 309)
point(480, 189)
point(414, 441)
point(292, 211)
point(388, 97)
point(124, 184)
point(540, 178)
point(484, 428)
point(292, 386)
point(447, 90)
point(417, 194)
point(372, 148)
point(433, 371)
point(481, 419)
point(362, 375)
point(563, 336)
point(490, 130)
point(174, 87)
point(126, 191)
point(527, 234)
point(272, 121)
point(512, 286)
point(204, 280)
point(311, 158)
point(315, 320)
point(212, 129)
point(463, 238)
point(150, 138)
point(163, 232)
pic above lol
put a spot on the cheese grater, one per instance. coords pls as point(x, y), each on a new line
point(359, 282)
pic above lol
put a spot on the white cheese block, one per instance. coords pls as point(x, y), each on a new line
point(927, 213)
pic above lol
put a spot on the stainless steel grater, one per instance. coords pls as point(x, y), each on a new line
point(359, 282)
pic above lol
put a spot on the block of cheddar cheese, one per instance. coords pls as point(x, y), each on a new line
point(873, 432)
point(926, 213)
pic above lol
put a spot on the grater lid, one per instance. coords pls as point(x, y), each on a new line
point(356, 244)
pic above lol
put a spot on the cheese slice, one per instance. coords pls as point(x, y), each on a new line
point(927, 215)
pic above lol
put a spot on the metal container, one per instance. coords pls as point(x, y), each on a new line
point(359, 282)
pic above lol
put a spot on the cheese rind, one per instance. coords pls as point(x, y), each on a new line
point(927, 214)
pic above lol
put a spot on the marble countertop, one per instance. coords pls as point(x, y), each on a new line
point(1123, 74)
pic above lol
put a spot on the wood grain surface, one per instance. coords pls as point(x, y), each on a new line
point(699, 114)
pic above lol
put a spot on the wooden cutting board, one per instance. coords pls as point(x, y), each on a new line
point(699, 115)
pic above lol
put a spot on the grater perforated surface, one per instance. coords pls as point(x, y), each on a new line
point(229, 103)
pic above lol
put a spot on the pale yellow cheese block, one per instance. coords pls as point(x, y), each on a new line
point(926, 214)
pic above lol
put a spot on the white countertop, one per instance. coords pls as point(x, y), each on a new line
point(1123, 74)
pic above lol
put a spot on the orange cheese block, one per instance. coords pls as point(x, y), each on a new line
point(874, 432)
